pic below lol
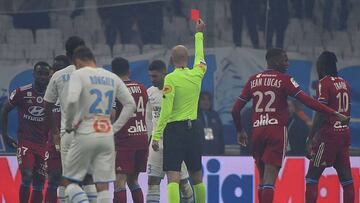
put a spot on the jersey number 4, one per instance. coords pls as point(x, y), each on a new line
point(94, 108)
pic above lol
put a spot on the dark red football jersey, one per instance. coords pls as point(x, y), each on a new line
point(31, 114)
point(335, 93)
point(134, 133)
point(269, 91)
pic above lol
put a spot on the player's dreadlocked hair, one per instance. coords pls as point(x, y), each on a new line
point(326, 64)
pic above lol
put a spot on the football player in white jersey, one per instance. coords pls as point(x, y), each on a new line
point(157, 72)
point(91, 94)
point(57, 92)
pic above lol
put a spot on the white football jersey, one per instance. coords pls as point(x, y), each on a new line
point(91, 95)
point(155, 97)
point(56, 91)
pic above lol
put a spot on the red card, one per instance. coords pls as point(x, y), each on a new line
point(195, 14)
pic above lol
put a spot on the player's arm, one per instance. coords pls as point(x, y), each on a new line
point(74, 91)
point(148, 119)
point(199, 61)
point(294, 90)
point(50, 98)
point(236, 113)
point(8, 106)
point(166, 108)
point(129, 106)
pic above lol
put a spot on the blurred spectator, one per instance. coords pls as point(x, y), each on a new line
point(150, 21)
point(302, 7)
point(6, 6)
point(343, 15)
point(33, 14)
point(298, 129)
point(178, 8)
point(116, 19)
point(248, 11)
point(210, 127)
point(277, 22)
point(145, 19)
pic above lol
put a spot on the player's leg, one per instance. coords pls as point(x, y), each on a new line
point(103, 165)
point(133, 184)
point(257, 153)
point(132, 179)
point(273, 156)
point(26, 160)
point(312, 180)
point(77, 162)
point(37, 185)
point(89, 188)
point(120, 188)
point(65, 143)
point(193, 163)
point(187, 194)
point(124, 165)
point(270, 174)
point(343, 168)
point(174, 153)
point(54, 175)
point(153, 193)
point(261, 168)
point(155, 174)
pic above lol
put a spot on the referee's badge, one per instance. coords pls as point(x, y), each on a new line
point(167, 89)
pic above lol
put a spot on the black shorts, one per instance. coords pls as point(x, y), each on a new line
point(181, 143)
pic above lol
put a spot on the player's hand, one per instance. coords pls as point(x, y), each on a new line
point(342, 118)
point(56, 141)
point(155, 145)
point(309, 152)
point(12, 143)
point(242, 138)
point(200, 25)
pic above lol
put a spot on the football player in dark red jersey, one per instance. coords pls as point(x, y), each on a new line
point(131, 141)
point(32, 132)
point(329, 140)
point(269, 91)
point(54, 168)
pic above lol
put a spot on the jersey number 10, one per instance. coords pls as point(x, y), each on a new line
point(343, 99)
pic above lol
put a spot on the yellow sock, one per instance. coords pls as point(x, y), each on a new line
point(173, 193)
point(200, 193)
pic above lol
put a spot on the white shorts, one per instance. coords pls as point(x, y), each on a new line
point(91, 151)
point(155, 164)
point(66, 139)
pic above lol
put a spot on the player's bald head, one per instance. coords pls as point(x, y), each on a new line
point(179, 56)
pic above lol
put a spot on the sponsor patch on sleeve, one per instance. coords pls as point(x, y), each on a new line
point(167, 89)
point(11, 97)
point(294, 82)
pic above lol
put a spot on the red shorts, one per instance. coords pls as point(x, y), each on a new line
point(269, 144)
point(130, 161)
point(54, 160)
point(331, 149)
point(32, 156)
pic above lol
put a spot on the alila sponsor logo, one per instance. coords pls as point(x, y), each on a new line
point(138, 127)
point(36, 113)
point(265, 120)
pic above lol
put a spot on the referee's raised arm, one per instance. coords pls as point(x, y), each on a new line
point(178, 113)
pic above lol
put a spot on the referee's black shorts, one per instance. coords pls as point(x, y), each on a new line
point(181, 143)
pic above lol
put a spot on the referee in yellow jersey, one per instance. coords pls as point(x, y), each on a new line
point(179, 109)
